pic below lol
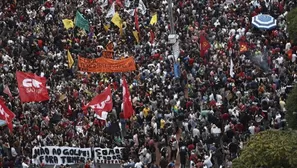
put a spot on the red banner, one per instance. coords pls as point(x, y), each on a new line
point(106, 65)
point(32, 88)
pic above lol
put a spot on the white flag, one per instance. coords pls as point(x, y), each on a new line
point(127, 3)
point(111, 11)
point(142, 7)
point(104, 3)
point(103, 116)
point(231, 68)
point(130, 11)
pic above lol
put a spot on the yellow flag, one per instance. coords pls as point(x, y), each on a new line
point(70, 59)
point(135, 33)
point(116, 19)
point(106, 27)
point(68, 23)
point(154, 19)
point(62, 97)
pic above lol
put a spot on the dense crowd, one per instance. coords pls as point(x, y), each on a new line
point(200, 119)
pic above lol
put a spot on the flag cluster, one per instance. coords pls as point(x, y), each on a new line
point(32, 88)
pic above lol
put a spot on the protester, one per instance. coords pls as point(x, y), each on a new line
point(230, 81)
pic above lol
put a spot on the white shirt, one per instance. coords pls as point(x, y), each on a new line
point(294, 57)
point(252, 129)
point(207, 162)
point(288, 46)
point(138, 165)
point(24, 165)
point(13, 152)
point(192, 164)
point(155, 127)
point(186, 126)
point(280, 60)
point(135, 139)
point(196, 132)
point(215, 130)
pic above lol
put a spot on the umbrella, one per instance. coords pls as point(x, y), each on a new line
point(263, 21)
point(229, 1)
point(2, 123)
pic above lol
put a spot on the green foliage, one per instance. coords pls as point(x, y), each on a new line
point(292, 24)
point(269, 149)
point(291, 15)
point(291, 107)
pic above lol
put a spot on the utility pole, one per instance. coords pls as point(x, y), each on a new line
point(173, 37)
point(172, 31)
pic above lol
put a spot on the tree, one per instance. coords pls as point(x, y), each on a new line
point(292, 24)
point(269, 149)
point(291, 114)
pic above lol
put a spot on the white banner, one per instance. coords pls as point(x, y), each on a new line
point(108, 155)
point(55, 155)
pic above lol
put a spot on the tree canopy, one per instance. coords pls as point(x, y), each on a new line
point(269, 149)
point(292, 24)
point(291, 114)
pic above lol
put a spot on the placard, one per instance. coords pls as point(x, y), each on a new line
point(108, 155)
point(53, 155)
point(57, 155)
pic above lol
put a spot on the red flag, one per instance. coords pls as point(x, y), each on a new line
point(152, 36)
point(119, 2)
point(204, 45)
point(127, 104)
point(136, 20)
point(32, 88)
point(7, 91)
point(243, 47)
point(102, 102)
point(7, 115)
point(69, 111)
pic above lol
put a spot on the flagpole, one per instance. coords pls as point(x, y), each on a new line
point(173, 37)
point(172, 31)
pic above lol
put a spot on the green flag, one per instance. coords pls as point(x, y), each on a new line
point(81, 22)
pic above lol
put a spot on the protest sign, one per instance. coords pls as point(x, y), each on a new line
point(106, 65)
point(53, 155)
point(108, 155)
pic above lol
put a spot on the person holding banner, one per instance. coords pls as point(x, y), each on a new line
point(96, 83)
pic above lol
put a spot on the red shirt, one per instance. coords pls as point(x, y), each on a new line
point(191, 61)
point(225, 116)
point(191, 147)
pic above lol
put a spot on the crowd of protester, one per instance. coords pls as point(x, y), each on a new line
point(200, 119)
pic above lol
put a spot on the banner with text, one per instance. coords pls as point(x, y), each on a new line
point(53, 155)
point(108, 155)
point(106, 65)
point(57, 155)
